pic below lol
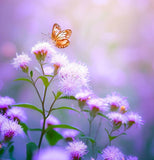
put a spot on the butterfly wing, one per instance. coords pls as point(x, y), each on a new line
point(62, 43)
point(55, 31)
point(65, 34)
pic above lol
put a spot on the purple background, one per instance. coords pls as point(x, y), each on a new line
point(115, 38)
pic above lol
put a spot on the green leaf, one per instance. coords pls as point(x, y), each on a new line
point(53, 137)
point(62, 126)
point(68, 97)
point(44, 80)
point(2, 150)
point(31, 147)
point(11, 150)
point(31, 73)
point(59, 93)
point(30, 106)
point(69, 108)
point(100, 114)
point(49, 75)
point(24, 127)
point(86, 137)
point(85, 110)
point(23, 79)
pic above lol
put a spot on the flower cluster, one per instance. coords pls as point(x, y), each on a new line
point(113, 153)
point(10, 119)
point(73, 81)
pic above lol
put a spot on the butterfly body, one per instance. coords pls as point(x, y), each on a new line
point(60, 37)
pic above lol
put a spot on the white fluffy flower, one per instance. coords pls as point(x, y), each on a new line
point(59, 60)
point(134, 118)
point(73, 78)
point(112, 153)
point(10, 129)
point(117, 118)
point(21, 61)
point(97, 104)
point(16, 113)
point(77, 149)
point(5, 102)
point(70, 134)
point(41, 50)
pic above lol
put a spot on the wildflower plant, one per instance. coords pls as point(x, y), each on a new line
point(73, 83)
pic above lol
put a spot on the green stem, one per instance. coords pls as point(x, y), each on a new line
point(42, 68)
point(33, 83)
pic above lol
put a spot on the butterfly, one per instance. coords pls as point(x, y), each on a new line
point(60, 37)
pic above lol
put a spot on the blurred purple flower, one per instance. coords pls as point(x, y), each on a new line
point(117, 118)
point(134, 118)
point(16, 113)
point(10, 129)
point(132, 158)
point(70, 134)
point(5, 102)
point(54, 153)
point(112, 153)
point(21, 61)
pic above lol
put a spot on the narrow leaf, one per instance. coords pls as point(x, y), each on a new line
point(69, 108)
point(85, 110)
point(68, 97)
point(90, 138)
point(44, 80)
point(11, 150)
point(31, 73)
point(100, 114)
point(53, 137)
point(62, 126)
point(31, 147)
point(30, 106)
point(59, 93)
point(23, 79)
point(24, 127)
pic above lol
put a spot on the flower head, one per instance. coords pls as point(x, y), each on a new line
point(134, 118)
point(59, 60)
point(16, 113)
point(69, 134)
point(54, 153)
point(41, 50)
point(10, 129)
point(51, 120)
point(112, 153)
point(77, 149)
point(84, 95)
point(21, 61)
point(117, 102)
point(117, 118)
point(73, 78)
point(132, 158)
point(97, 104)
point(5, 102)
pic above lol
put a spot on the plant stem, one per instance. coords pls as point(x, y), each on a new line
point(98, 128)
point(33, 83)
point(42, 68)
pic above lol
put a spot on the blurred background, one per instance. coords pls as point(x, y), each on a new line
point(114, 38)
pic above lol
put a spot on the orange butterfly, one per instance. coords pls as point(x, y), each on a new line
point(59, 37)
